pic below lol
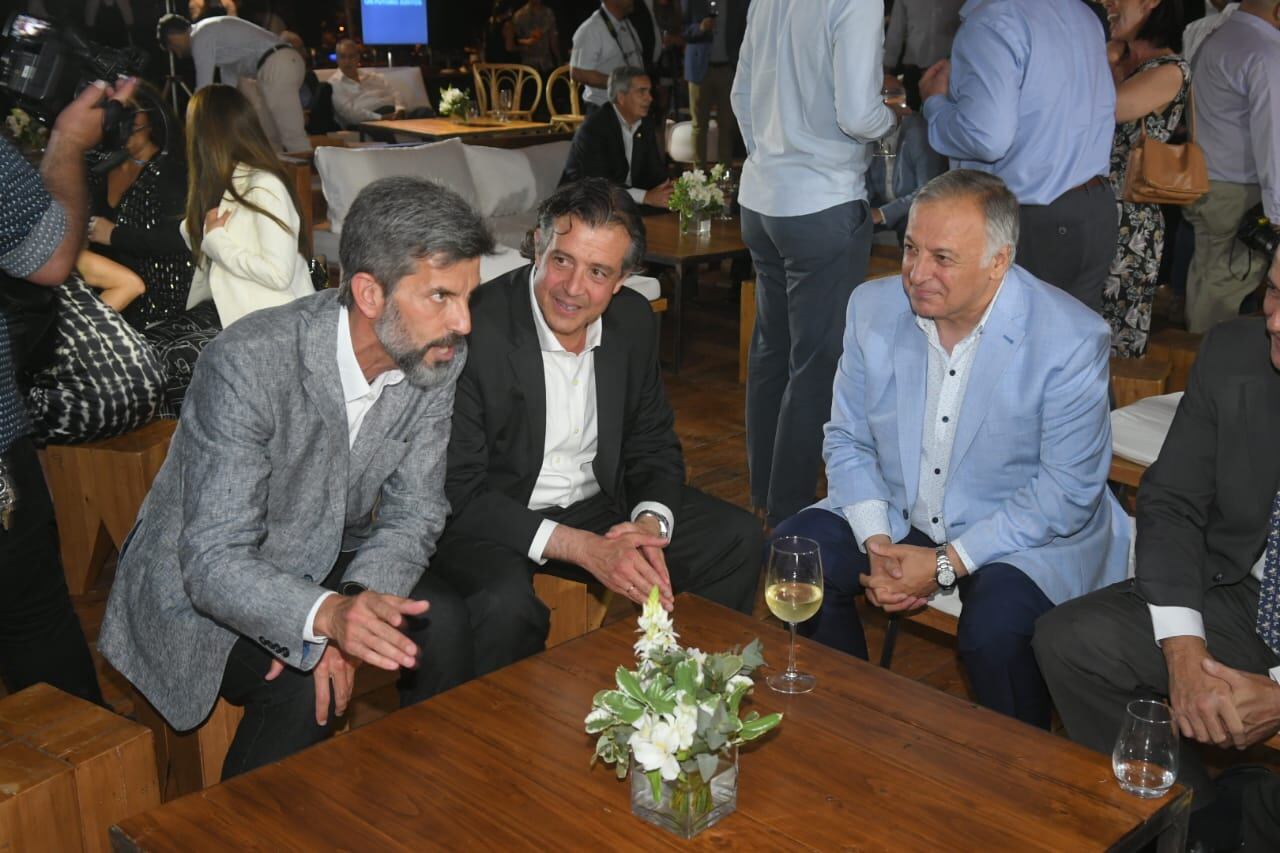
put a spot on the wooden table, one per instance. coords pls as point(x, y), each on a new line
point(666, 246)
point(868, 760)
point(435, 129)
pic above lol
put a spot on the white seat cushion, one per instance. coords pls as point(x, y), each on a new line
point(947, 602)
point(407, 83)
point(1138, 430)
point(503, 179)
point(547, 163)
point(680, 140)
point(346, 171)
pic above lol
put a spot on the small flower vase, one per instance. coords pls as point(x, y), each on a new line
point(696, 223)
point(689, 803)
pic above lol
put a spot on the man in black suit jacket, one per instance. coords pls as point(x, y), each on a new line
point(563, 456)
point(599, 148)
point(1188, 625)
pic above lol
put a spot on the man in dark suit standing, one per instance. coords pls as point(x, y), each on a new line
point(1207, 587)
point(563, 457)
point(620, 143)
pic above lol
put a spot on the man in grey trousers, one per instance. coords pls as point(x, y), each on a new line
point(304, 490)
point(807, 98)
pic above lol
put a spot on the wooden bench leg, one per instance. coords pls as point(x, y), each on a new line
point(187, 762)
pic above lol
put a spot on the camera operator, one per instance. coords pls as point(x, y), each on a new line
point(42, 229)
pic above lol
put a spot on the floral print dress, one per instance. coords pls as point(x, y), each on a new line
point(1131, 283)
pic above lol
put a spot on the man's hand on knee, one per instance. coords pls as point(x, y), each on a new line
point(1202, 703)
point(335, 676)
point(367, 627)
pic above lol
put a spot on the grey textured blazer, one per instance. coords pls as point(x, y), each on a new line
point(255, 500)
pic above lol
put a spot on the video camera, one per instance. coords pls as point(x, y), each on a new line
point(43, 67)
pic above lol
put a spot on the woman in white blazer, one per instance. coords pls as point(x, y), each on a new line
point(242, 221)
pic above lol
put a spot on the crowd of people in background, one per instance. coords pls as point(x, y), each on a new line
point(959, 410)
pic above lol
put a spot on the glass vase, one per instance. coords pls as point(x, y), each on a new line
point(688, 804)
point(695, 223)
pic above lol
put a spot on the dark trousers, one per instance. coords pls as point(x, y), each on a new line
point(715, 553)
point(40, 636)
point(1001, 605)
point(806, 268)
point(280, 715)
point(1070, 242)
point(1098, 653)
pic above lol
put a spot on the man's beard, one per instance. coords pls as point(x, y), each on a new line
point(395, 339)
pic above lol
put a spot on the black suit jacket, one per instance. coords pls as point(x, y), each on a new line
point(500, 412)
point(597, 152)
point(1204, 503)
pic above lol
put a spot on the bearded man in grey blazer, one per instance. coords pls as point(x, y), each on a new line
point(304, 490)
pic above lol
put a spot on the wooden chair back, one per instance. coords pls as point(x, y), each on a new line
point(571, 119)
point(524, 82)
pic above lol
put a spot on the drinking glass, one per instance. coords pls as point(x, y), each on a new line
point(1145, 760)
point(504, 104)
point(793, 591)
point(728, 186)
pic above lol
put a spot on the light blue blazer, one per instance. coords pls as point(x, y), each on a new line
point(1027, 480)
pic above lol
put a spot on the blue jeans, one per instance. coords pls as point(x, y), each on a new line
point(1001, 606)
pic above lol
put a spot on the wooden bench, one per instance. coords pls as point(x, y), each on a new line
point(68, 771)
point(186, 762)
point(97, 489)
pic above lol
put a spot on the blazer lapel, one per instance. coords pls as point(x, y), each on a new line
point(525, 359)
point(384, 414)
point(1001, 337)
point(320, 380)
point(1260, 395)
point(611, 383)
point(910, 373)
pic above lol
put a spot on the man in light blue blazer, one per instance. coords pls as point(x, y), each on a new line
point(969, 425)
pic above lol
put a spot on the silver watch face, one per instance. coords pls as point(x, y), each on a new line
point(946, 577)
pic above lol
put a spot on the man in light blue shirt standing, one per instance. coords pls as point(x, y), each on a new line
point(807, 99)
point(1028, 96)
point(1236, 82)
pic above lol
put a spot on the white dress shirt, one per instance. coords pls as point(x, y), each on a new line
point(572, 429)
point(595, 48)
point(359, 396)
point(807, 98)
point(628, 145)
point(945, 386)
point(232, 45)
point(358, 100)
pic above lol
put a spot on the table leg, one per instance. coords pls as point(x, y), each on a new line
point(677, 319)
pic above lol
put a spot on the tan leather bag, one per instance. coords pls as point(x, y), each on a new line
point(1162, 173)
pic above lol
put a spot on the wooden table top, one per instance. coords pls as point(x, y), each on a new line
point(444, 128)
point(869, 760)
point(666, 245)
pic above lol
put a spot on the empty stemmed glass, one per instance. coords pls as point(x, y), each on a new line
point(793, 591)
point(504, 104)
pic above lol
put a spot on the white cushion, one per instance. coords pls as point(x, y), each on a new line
point(511, 230)
point(947, 602)
point(407, 83)
point(1138, 430)
point(680, 140)
point(505, 259)
point(503, 179)
point(547, 162)
point(346, 171)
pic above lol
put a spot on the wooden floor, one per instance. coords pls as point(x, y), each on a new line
point(709, 406)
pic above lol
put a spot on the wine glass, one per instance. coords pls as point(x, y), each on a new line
point(1145, 760)
point(504, 104)
point(793, 591)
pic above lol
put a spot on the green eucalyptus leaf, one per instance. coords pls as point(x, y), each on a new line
point(753, 655)
point(727, 667)
point(628, 684)
point(716, 740)
point(755, 728)
point(707, 763)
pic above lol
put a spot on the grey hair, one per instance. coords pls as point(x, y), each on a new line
point(620, 80)
point(597, 203)
point(998, 204)
point(396, 222)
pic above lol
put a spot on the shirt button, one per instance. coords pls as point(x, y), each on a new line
point(1217, 578)
point(905, 515)
point(946, 420)
point(934, 519)
point(937, 470)
point(953, 373)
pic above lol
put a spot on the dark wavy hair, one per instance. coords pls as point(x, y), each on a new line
point(595, 202)
point(1163, 27)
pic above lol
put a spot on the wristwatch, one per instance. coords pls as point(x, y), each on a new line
point(946, 573)
point(664, 526)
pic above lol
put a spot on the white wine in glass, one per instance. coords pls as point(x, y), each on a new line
point(793, 591)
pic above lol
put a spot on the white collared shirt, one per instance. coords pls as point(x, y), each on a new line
point(946, 382)
point(358, 100)
point(628, 146)
point(596, 49)
point(359, 396)
point(572, 428)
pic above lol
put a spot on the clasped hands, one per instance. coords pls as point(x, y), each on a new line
point(364, 628)
point(902, 577)
point(628, 559)
point(1214, 703)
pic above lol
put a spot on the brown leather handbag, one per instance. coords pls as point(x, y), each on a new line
point(1164, 173)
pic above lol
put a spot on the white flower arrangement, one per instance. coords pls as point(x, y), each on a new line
point(679, 709)
point(454, 102)
point(697, 192)
point(27, 132)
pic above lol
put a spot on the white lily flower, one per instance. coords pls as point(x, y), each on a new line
point(685, 724)
point(655, 749)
